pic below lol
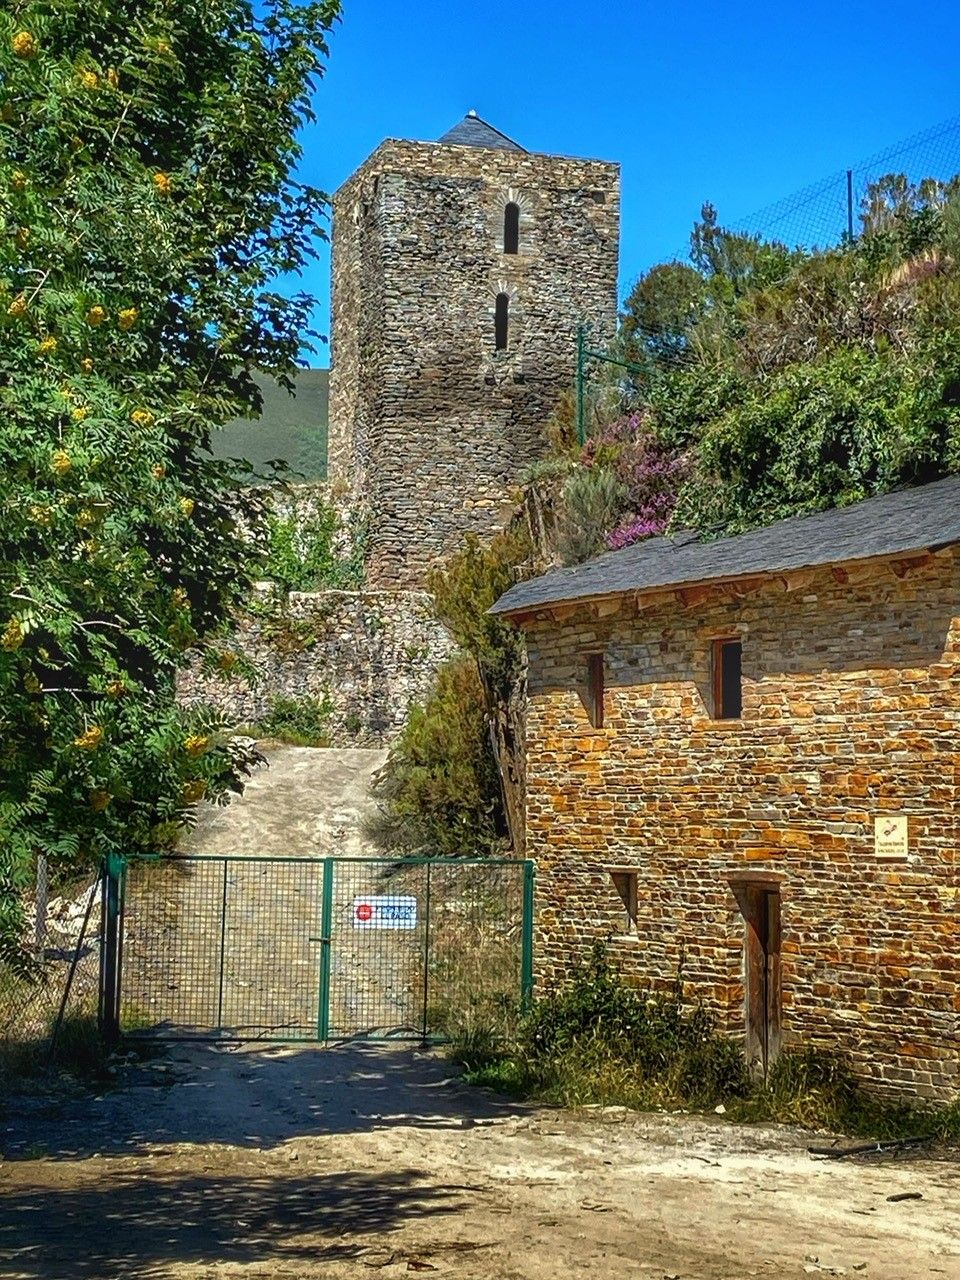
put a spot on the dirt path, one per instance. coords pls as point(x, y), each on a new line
point(347, 1162)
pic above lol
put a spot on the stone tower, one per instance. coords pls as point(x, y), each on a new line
point(461, 269)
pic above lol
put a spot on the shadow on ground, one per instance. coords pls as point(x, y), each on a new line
point(251, 1096)
point(136, 1226)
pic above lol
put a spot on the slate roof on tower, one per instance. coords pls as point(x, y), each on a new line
point(474, 132)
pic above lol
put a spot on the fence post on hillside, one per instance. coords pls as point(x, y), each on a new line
point(850, 205)
point(110, 949)
point(581, 362)
point(526, 945)
point(41, 907)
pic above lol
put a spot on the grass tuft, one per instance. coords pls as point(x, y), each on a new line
point(602, 1042)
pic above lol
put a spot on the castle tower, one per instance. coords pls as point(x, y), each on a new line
point(461, 269)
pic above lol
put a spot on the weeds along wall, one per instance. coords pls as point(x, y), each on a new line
point(851, 711)
point(364, 655)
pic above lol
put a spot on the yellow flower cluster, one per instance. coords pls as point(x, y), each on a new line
point(31, 683)
point(61, 462)
point(86, 364)
point(90, 80)
point(141, 418)
point(99, 800)
point(80, 412)
point(196, 744)
point(180, 597)
point(116, 689)
point(127, 318)
point(12, 637)
point(18, 306)
point(96, 317)
point(24, 45)
point(47, 345)
point(39, 514)
point(194, 791)
point(161, 182)
point(18, 180)
point(186, 506)
point(158, 471)
point(90, 739)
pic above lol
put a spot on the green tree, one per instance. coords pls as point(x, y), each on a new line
point(147, 205)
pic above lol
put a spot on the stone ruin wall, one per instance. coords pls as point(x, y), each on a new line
point(431, 427)
point(372, 653)
point(851, 710)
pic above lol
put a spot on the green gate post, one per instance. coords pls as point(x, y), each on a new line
point(326, 942)
point(426, 959)
point(526, 954)
point(110, 953)
point(581, 362)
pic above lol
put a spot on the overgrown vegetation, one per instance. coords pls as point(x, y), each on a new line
point(438, 791)
point(303, 722)
point(303, 551)
point(602, 1042)
point(147, 204)
point(453, 783)
point(794, 380)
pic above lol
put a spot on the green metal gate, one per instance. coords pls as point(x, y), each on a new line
point(324, 948)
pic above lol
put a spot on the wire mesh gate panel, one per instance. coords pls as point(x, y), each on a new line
point(321, 948)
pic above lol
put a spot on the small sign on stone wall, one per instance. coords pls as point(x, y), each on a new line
point(890, 838)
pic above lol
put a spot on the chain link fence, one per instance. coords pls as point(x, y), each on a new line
point(54, 1000)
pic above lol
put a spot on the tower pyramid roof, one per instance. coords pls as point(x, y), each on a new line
point(474, 132)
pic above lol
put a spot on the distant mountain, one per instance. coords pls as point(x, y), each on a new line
point(292, 428)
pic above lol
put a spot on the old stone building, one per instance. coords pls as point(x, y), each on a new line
point(461, 269)
point(743, 767)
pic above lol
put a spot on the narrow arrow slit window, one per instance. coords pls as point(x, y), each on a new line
point(511, 228)
point(501, 324)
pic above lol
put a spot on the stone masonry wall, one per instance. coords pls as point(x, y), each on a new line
point(371, 652)
point(430, 425)
point(851, 709)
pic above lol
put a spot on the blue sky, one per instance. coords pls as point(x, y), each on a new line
point(737, 103)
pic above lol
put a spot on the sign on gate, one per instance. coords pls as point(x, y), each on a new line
point(385, 911)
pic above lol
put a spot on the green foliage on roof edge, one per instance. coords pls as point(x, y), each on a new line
point(776, 381)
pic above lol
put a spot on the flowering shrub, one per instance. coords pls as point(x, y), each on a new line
point(138, 245)
point(625, 490)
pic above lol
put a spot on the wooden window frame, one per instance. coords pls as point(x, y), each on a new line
point(626, 880)
point(717, 645)
point(596, 687)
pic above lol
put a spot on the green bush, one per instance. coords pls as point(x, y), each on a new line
point(303, 722)
point(302, 553)
point(436, 791)
point(600, 1041)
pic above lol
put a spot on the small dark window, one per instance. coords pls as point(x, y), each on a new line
point(727, 679)
point(511, 228)
point(595, 689)
point(625, 883)
point(501, 324)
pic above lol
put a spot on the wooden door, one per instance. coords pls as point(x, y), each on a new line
point(760, 905)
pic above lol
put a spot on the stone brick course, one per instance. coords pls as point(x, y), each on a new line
point(430, 425)
point(851, 709)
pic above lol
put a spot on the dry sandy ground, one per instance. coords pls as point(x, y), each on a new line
point(361, 1161)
